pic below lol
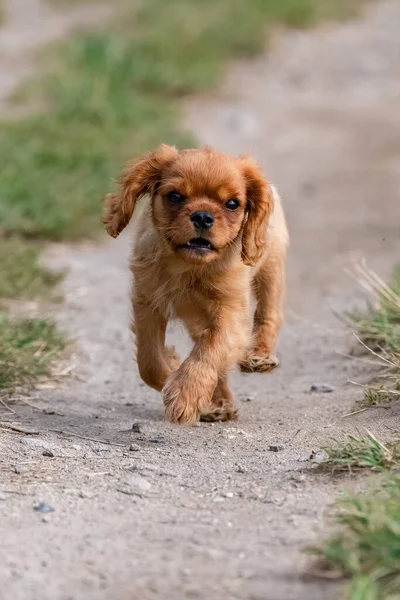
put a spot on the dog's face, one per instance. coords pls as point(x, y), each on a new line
point(200, 205)
point(203, 202)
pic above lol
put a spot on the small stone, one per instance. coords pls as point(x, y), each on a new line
point(137, 428)
point(134, 484)
point(3, 496)
point(43, 507)
point(36, 442)
point(298, 477)
point(86, 494)
point(46, 519)
point(322, 388)
point(76, 447)
point(240, 468)
point(20, 469)
point(229, 495)
point(305, 458)
point(219, 499)
point(275, 448)
point(247, 399)
point(319, 457)
point(101, 448)
point(48, 453)
point(157, 439)
point(134, 448)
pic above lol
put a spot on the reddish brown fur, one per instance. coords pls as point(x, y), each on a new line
point(210, 292)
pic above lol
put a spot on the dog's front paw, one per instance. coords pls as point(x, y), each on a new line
point(254, 363)
point(185, 398)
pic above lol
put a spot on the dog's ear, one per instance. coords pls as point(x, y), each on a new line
point(140, 179)
point(260, 204)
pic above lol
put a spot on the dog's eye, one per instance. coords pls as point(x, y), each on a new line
point(175, 197)
point(232, 204)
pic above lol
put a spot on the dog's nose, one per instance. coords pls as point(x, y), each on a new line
point(202, 219)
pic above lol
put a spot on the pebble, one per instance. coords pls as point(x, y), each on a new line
point(219, 499)
point(37, 442)
point(46, 519)
point(3, 496)
point(134, 448)
point(305, 458)
point(135, 483)
point(298, 477)
point(101, 448)
point(275, 448)
point(86, 494)
point(240, 468)
point(229, 495)
point(319, 457)
point(21, 469)
point(43, 507)
point(247, 399)
point(48, 453)
point(157, 439)
point(323, 388)
point(137, 428)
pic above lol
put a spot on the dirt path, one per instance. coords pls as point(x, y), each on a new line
point(209, 512)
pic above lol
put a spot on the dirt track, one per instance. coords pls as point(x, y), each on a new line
point(209, 512)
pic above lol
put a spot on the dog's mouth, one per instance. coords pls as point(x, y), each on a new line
point(199, 245)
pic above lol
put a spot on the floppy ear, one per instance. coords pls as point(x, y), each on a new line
point(142, 178)
point(260, 204)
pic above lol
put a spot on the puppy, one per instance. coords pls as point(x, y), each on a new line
point(212, 236)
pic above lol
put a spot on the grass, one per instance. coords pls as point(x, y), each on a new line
point(361, 452)
point(21, 275)
point(27, 349)
point(27, 346)
point(366, 547)
point(378, 330)
point(379, 327)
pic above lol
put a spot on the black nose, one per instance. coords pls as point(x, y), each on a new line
point(202, 219)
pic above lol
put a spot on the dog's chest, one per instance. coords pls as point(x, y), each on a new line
point(184, 298)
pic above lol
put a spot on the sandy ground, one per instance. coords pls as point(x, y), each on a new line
point(210, 512)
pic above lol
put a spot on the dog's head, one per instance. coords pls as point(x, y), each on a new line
point(203, 202)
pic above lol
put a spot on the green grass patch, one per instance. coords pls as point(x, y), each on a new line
point(366, 547)
point(379, 331)
point(27, 349)
point(379, 327)
point(361, 452)
point(21, 274)
point(112, 94)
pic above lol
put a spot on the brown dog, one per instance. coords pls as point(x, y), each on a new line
point(213, 233)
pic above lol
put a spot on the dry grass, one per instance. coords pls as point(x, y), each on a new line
point(378, 331)
point(28, 347)
point(361, 452)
